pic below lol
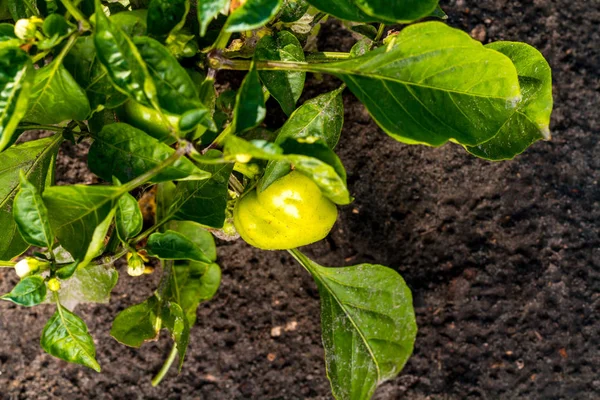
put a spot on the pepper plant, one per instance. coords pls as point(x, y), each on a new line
point(137, 80)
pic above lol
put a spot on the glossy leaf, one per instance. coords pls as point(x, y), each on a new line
point(56, 97)
point(377, 10)
point(34, 158)
point(30, 291)
point(172, 245)
point(204, 202)
point(56, 28)
point(31, 215)
point(368, 325)
point(125, 152)
point(529, 123)
point(250, 109)
point(67, 271)
point(292, 10)
point(433, 83)
point(197, 234)
point(129, 219)
point(175, 89)
point(209, 10)
point(321, 117)
point(133, 23)
point(177, 324)
point(16, 80)
point(66, 336)
point(315, 160)
point(193, 283)
point(252, 14)
point(343, 9)
point(137, 324)
point(76, 211)
point(122, 60)
point(88, 284)
point(165, 15)
point(286, 87)
point(165, 194)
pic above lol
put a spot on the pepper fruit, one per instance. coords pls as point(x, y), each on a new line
point(291, 212)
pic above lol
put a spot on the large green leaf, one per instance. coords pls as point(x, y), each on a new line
point(321, 117)
point(31, 215)
point(122, 60)
point(34, 158)
point(165, 15)
point(56, 97)
point(529, 122)
point(314, 159)
point(376, 10)
point(172, 245)
point(204, 202)
point(286, 87)
point(433, 83)
point(89, 284)
point(30, 291)
point(137, 324)
point(125, 152)
point(77, 211)
point(209, 10)
point(175, 89)
point(250, 109)
point(16, 80)
point(129, 218)
point(197, 234)
point(192, 283)
point(66, 336)
point(368, 325)
point(252, 14)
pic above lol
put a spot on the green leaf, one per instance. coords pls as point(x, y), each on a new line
point(384, 11)
point(125, 152)
point(165, 194)
point(88, 284)
point(20, 9)
point(56, 28)
point(314, 159)
point(292, 10)
point(7, 31)
point(56, 97)
point(285, 87)
point(431, 84)
point(129, 220)
point(67, 271)
point(16, 79)
point(209, 10)
point(192, 283)
point(31, 215)
point(66, 336)
point(321, 117)
point(250, 109)
point(197, 234)
point(343, 9)
point(76, 211)
point(175, 89)
point(529, 122)
point(165, 15)
point(176, 322)
point(172, 245)
point(252, 14)
point(133, 23)
point(137, 324)
point(368, 325)
point(123, 62)
point(204, 202)
point(30, 291)
point(34, 158)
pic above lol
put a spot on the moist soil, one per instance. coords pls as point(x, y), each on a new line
point(503, 259)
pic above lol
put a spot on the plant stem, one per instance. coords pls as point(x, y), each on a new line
point(302, 260)
point(42, 127)
point(380, 32)
point(326, 56)
point(140, 180)
point(7, 264)
point(78, 15)
point(217, 61)
point(166, 366)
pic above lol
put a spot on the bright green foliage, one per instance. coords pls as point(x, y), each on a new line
point(142, 81)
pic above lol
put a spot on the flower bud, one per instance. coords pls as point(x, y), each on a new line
point(29, 266)
point(54, 285)
point(26, 29)
point(135, 264)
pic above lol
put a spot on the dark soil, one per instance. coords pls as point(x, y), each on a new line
point(503, 259)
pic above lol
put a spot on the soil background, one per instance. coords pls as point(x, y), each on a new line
point(503, 259)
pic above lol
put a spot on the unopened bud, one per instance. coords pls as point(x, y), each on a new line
point(29, 266)
point(54, 285)
point(135, 264)
point(26, 28)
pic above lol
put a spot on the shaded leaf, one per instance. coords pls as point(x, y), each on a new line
point(368, 325)
point(376, 10)
point(197, 234)
point(209, 10)
point(66, 336)
point(165, 15)
point(252, 14)
point(133, 23)
point(31, 215)
point(125, 152)
point(530, 121)
point(250, 109)
point(176, 322)
point(137, 324)
point(16, 80)
point(30, 291)
point(292, 10)
point(34, 158)
point(172, 245)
